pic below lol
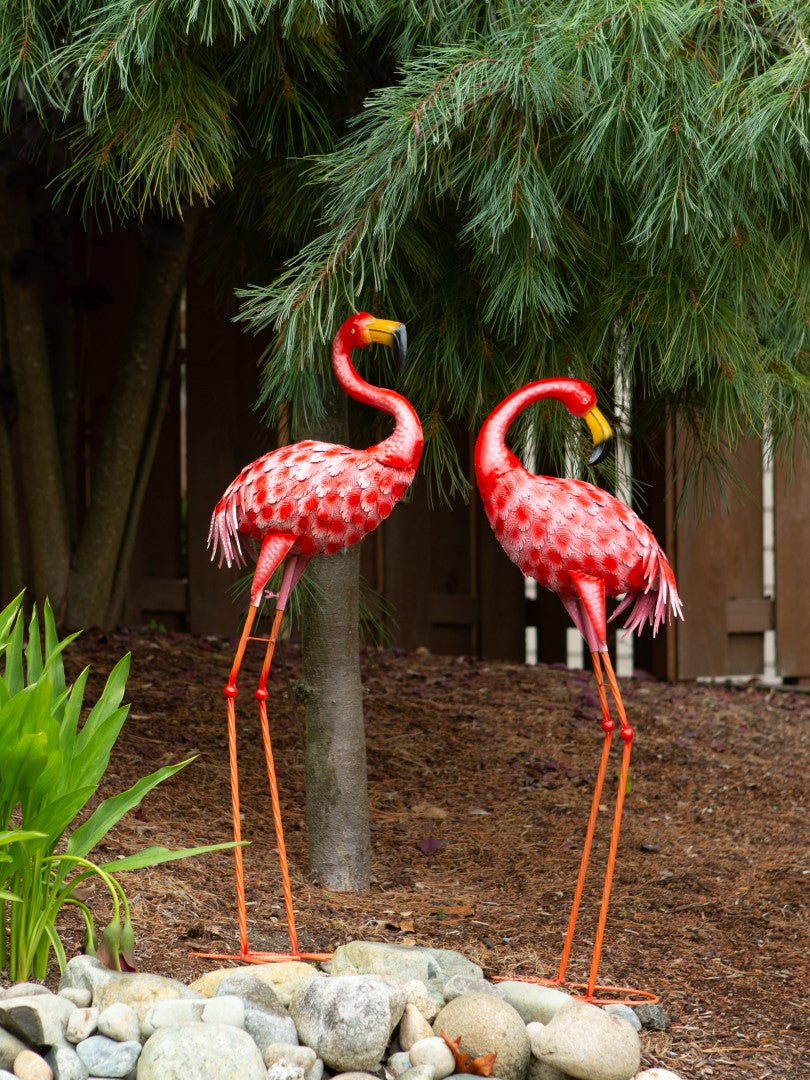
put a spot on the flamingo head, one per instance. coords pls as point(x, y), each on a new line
point(580, 400)
point(362, 329)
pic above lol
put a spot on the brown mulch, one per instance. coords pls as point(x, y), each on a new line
point(493, 763)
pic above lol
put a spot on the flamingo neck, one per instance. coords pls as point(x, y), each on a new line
point(492, 456)
point(403, 447)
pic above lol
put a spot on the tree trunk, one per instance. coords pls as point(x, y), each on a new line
point(336, 781)
point(42, 480)
point(126, 423)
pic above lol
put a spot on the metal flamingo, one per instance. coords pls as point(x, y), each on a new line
point(583, 544)
point(307, 499)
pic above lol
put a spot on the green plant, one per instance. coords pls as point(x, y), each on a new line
point(50, 767)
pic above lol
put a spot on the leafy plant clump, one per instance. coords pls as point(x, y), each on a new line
point(50, 767)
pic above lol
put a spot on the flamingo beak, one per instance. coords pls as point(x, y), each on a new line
point(393, 334)
point(602, 434)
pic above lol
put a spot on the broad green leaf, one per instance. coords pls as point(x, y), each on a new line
point(13, 836)
point(153, 856)
point(110, 812)
point(70, 717)
point(8, 615)
point(109, 701)
point(90, 757)
point(13, 673)
point(33, 650)
point(53, 818)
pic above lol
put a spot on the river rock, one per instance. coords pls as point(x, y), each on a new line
point(587, 1043)
point(266, 1019)
point(399, 1063)
point(82, 1023)
point(140, 991)
point(348, 1019)
point(418, 1072)
point(457, 985)
point(66, 1064)
point(428, 1004)
point(23, 989)
point(488, 1025)
point(624, 1012)
point(201, 1051)
point(108, 1058)
point(39, 1020)
point(10, 1046)
point(285, 978)
point(85, 973)
point(434, 1053)
point(433, 967)
point(224, 1009)
point(171, 1012)
point(287, 1062)
point(532, 1001)
point(30, 1066)
point(413, 1027)
point(652, 1016)
point(81, 998)
point(120, 1022)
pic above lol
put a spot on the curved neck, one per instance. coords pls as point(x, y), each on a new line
point(492, 455)
point(403, 447)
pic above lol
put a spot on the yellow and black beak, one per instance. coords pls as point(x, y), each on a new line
point(602, 435)
point(393, 334)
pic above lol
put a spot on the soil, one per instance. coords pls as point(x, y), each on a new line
point(480, 777)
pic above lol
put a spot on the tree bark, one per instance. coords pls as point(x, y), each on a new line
point(43, 484)
point(126, 423)
point(336, 780)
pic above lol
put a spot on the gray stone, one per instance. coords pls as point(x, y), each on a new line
point(624, 1012)
point(413, 1027)
point(266, 1019)
point(224, 1009)
point(23, 989)
point(348, 1019)
point(39, 1020)
point(10, 1046)
point(428, 1004)
point(172, 1012)
point(399, 1062)
point(85, 973)
point(30, 1066)
point(287, 1062)
point(66, 1063)
point(82, 1023)
point(587, 1043)
point(120, 1022)
point(488, 1025)
point(199, 1052)
point(82, 999)
point(457, 985)
point(285, 978)
point(539, 1070)
point(6, 1075)
point(419, 1072)
point(433, 967)
point(652, 1016)
point(108, 1058)
point(532, 1001)
point(434, 1053)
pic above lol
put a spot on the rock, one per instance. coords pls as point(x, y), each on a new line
point(413, 1027)
point(285, 978)
point(224, 1009)
point(532, 1001)
point(433, 967)
point(6, 1075)
point(139, 991)
point(199, 1052)
point(171, 1012)
point(266, 1020)
point(120, 1022)
point(457, 985)
point(656, 1074)
point(652, 1016)
point(108, 1058)
point(428, 1004)
point(291, 1062)
point(419, 1072)
point(435, 1053)
point(624, 1012)
point(348, 1019)
point(399, 1063)
point(82, 1023)
point(85, 973)
point(539, 1070)
point(82, 999)
point(488, 1025)
point(10, 1046)
point(39, 1020)
point(23, 989)
point(587, 1043)
point(30, 1066)
point(66, 1064)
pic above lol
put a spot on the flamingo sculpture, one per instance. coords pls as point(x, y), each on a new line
point(583, 544)
point(311, 498)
